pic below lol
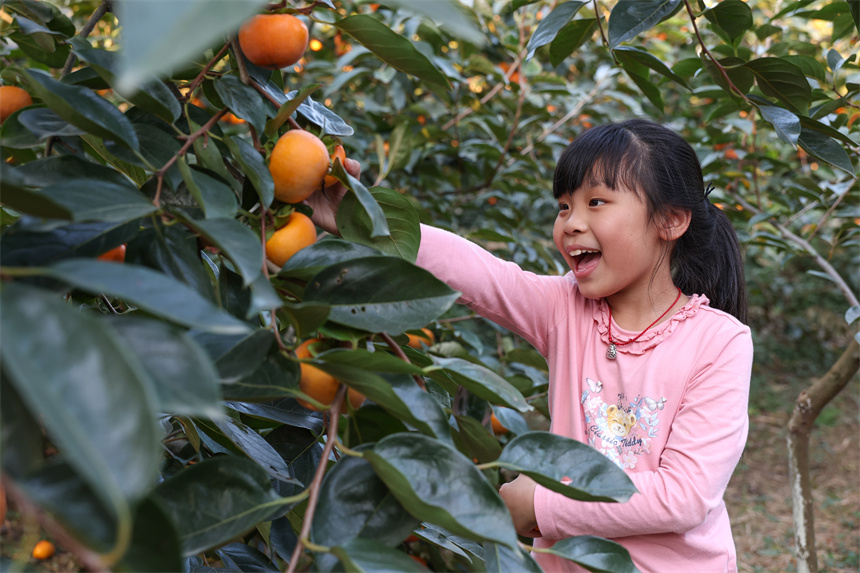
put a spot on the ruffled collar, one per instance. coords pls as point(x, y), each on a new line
point(651, 338)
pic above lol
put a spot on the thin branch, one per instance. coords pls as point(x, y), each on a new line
point(806, 246)
point(710, 55)
point(315, 486)
point(402, 355)
point(199, 79)
point(159, 175)
point(100, 11)
point(827, 215)
point(240, 62)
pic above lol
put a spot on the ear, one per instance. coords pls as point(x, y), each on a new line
point(674, 224)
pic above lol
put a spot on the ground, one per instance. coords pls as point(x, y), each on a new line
point(758, 496)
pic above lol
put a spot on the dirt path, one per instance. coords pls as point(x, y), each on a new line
point(758, 495)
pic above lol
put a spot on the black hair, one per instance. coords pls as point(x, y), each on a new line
point(662, 169)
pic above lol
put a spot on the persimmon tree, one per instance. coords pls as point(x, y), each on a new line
point(169, 383)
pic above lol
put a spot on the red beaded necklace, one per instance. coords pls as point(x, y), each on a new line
point(612, 351)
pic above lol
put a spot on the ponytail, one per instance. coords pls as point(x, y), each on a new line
point(707, 260)
point(662, 168)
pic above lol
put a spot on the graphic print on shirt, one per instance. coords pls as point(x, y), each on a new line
point(623, 429)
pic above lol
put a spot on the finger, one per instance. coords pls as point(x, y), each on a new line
point(352, 167)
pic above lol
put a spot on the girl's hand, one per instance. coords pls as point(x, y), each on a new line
point(325, 203)
point(519, 496)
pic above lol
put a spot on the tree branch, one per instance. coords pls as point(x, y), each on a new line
point(710, 55)
point(806, 246)
point(331, 439)
point(159, 175)
point(402, 355)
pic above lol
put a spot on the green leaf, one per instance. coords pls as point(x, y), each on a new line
point(83, 108)
point(391, 48)
point(78, 199)
point(483, 382)
point(436, 483)
point(734, 17)
point(63, 492)
point(236, 241)
point(353, 503)
point(570, 38)
point(147, 289)
point(447, 15)
point(404, 235)
point(630, 54)
point(325, 252)
point(21, 445)
point(378, 361)
point(44, 123)
point(735, 69)
point(215, 500)
point(254, 369)
point(550, 26)
point(378, 221)
point(173, 250)
point(512, 420)
point(786, 124)
point(479, 442)
point(183, 377)
point(243, 100)
point(254, 167)
point(826, 149)
point(215, 197)
point(154, 97)
point(371, 556)
point(257, 448)
point(288, 108)
point(502, 559)
point(172, 22)
point(782, 80)
point(380, 294)
point(595, 554)
point(92, 394)
point(808, 65)
point(629, 18)
point(644, 83)
point(550, 459)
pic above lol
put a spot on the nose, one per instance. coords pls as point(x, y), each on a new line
point(575, 221)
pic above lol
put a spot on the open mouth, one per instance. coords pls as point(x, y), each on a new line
point(583, 259)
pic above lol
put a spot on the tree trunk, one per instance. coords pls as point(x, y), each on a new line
point(808, 405)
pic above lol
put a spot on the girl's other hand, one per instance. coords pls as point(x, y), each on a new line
point(519, 496)
point(325, 203)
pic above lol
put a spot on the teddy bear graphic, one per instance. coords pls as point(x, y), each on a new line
point(619, 422)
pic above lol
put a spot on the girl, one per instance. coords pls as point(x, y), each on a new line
point(649, 356)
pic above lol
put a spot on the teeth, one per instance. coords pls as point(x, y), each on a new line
point(578, 252)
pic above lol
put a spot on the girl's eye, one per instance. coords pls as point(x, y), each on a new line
point(596, 202)
point(563, 207)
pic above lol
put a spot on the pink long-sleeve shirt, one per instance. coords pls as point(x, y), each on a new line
point(671, 410)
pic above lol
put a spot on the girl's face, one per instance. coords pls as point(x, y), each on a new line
point(607, 240)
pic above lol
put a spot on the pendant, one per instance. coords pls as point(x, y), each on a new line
point(611, 352)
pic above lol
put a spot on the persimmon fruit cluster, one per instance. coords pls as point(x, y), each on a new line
point(273, 40)
point(298, 233)
point(320, 385)
point(298, 164)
